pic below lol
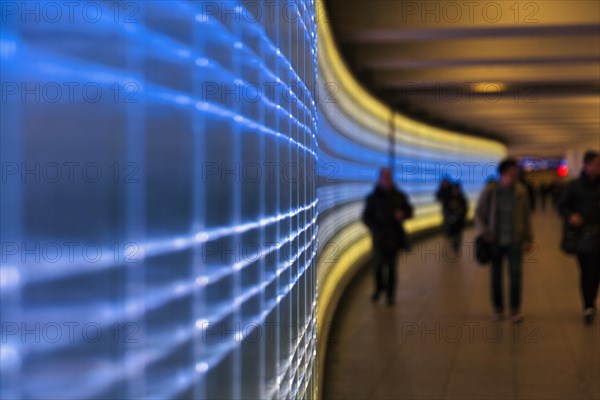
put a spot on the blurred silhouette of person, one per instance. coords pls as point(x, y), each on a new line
point(443, 191)
point(454, 210)
point(580, 206)
point(503, 217)
point(386, 209)
point(443, 196)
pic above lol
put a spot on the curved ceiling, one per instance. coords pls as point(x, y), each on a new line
point(526, 73)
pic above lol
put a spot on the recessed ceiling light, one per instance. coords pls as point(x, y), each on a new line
point(488, 87)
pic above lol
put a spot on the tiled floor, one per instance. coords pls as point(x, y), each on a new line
point(439, 340)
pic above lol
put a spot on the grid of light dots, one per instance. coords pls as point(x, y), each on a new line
point(205, 286)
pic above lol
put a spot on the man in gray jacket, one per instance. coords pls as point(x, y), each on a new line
point(502, 216)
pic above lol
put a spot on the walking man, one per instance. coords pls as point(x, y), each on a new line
point(580, 206)
point(386, 209)
point(503, 217)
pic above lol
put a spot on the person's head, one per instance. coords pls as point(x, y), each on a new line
point(385, 180)
point(508, 171)
point(591, 164)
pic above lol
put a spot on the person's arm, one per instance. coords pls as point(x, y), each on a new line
point(408, 207)
point(438, 195)
point(368, 216)
point(464, 206)
point(566, 203)
point(481, 212)
point(527, 231)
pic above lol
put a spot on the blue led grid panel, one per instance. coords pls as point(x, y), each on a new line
point(158, 225)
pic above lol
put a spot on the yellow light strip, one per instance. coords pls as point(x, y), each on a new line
point(330, 286)
point(329, 292)
point(333, 68)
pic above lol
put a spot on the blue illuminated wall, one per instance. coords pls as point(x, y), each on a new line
point(158, 203)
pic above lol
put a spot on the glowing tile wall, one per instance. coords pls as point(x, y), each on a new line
point(158, 223)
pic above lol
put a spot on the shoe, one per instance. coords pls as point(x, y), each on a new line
point(498, 316)
point(516, 317)
point(588, 316)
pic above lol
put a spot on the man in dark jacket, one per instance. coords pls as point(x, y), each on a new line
point(386, 209)
point(580, 206)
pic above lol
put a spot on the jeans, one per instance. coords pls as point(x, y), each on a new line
point(514, 255)
point(384, 263)
point(589, 278)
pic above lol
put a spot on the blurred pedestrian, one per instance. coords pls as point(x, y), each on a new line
point(443, 191)
point(580, 206)
point(454, 210)
point(443, 195)
point(386, 209)
point(503, 218)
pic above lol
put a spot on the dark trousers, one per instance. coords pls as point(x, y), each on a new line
point(453, 232)
point(589, 278)
point(456, 239)
point(514, 255)
point(384, 263)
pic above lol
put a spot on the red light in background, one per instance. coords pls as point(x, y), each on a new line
point(562, 171)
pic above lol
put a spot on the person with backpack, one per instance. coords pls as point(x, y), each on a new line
point(454, 210)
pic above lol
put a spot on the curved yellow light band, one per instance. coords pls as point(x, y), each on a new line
point(334, 68)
